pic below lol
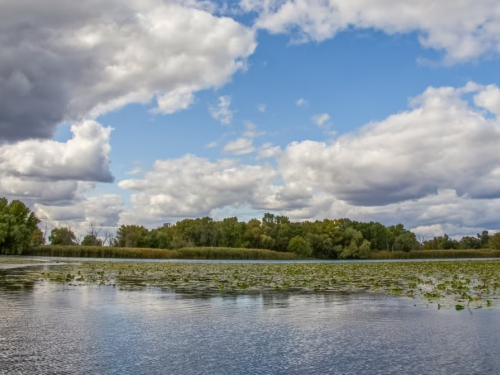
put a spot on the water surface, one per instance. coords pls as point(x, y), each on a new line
point(48, 328)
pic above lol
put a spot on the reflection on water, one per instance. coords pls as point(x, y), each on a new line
point(57, 329)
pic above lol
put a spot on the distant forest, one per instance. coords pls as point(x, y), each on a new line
point(326, 239)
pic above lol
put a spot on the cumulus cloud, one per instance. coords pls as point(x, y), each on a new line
point(441, 143)
point(239, 146)
point(434, 167)
point(469, 28)
point(65, 61)
point(261, 108)
point(191, 187)
point(221, 112)
point(82, 158)
point(268, 150)
point(103, 210)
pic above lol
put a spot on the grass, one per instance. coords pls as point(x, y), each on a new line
point(141, 253)
point(435, 254)
point(472, 284)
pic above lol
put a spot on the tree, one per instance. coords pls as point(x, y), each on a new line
point(62, 236)
point(92, 236)
point(405, 242)
point(300, 246)
point(17, 225)
point(37, 238)
point(131, 236)
point(494, 241)
point(90, 240)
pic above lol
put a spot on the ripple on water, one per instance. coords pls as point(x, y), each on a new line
point(53, 329)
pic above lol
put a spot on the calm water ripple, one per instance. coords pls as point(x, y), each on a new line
point(57, 329)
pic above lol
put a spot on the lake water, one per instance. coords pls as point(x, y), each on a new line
point(57, 329)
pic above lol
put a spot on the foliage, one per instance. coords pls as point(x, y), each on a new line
point(91, 240)
point(62, 236)
point(17, 227)
point(300, 246)
point(494, 241)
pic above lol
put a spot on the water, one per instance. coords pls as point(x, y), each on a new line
point(56, 329)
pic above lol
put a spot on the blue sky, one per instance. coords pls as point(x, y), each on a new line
point(417, 163)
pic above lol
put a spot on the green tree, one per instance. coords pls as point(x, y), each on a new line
point(91, 240)
point(62, 236)
point(131, 236)
point(405, 242)
point(37, 238)
point(300, 246)
point(494, 241)
point(17, 225)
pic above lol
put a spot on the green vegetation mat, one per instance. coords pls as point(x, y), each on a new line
point(7, 260)
point(470, 284)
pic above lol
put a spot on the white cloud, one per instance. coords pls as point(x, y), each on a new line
point(212, 144)
point(322, 119)
point(221, 112)
point(301, 102)
point(103, 210)
point(239, 146)
point(261, 108)
point(442, 143)
point(464, 30)
point(191, 187)
point(251, 130)
point(135, 170)
point(82, 158)
point(267, 150)
point(489, 98)
point(64, 61)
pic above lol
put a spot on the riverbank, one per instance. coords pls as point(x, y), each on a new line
point(435, 254)
point(223, 253)
point(142, 253)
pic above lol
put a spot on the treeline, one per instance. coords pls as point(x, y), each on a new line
point(326, 239)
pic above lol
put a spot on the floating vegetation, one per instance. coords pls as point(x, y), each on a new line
point(471, 284)
point(9, 260)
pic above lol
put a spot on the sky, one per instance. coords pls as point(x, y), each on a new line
point(151, 111)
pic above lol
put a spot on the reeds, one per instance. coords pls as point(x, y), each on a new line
point(435, 254)
point(146, 253)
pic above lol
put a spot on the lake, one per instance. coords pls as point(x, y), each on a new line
point(52, 328)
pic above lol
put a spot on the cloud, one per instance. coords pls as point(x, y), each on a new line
point(301, 102)
point(251, 130)
point(65, 61)
point(192, 187)
point(221, 112)
point(434, 167)
point(322, 119)
point(441, 143)
point(261, 108)
point(212, 144)
point(239, 146)
point(103, 210)
point(82, 158)
point(469, 29)
point(267, 150)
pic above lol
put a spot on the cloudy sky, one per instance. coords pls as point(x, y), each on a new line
point(150, 111)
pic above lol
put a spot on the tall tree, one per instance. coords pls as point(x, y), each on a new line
point(17, 225)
